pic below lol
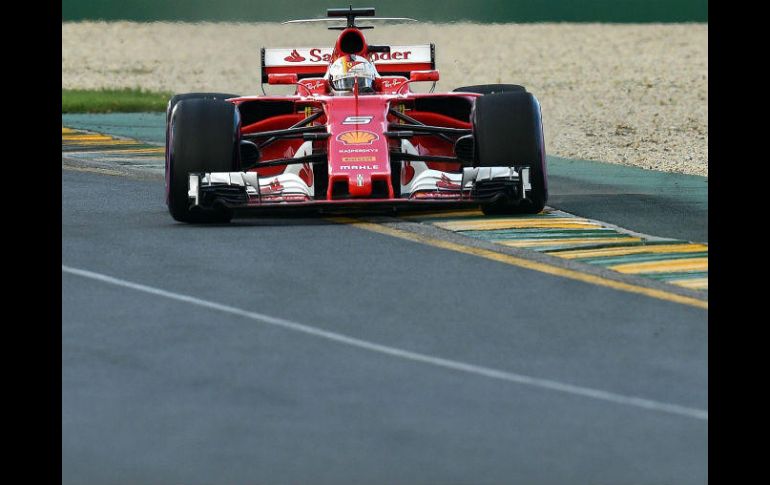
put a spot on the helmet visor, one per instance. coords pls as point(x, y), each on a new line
point(347, 83)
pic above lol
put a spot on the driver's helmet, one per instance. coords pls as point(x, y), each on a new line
point(349, 69)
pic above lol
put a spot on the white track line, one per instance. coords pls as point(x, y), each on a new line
point(403, 354)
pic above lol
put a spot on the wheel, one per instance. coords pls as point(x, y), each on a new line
point(179, 97)
point(491, 89)
point(170, 107)
point(508, 131)
point(203, 136)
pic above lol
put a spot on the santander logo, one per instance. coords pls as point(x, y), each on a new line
point(317, 55)
point(390, 56)
point(294, 57)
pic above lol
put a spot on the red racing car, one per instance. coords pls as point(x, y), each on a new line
point(354, 136)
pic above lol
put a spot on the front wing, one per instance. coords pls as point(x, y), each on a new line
point(248, 192)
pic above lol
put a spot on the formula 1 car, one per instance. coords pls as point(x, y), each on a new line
point(354, 136)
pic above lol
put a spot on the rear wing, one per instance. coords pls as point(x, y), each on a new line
point(313, 61)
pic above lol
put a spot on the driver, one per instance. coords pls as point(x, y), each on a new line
point(349, 69)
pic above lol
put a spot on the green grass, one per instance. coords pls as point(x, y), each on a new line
point(112, 101)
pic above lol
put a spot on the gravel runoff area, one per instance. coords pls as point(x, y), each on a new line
point(632, 94)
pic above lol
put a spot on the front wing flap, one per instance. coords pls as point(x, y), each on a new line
point(249, 191)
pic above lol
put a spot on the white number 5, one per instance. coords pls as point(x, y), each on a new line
point(357, 120)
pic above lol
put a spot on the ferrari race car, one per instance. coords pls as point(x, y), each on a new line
point(354, 136)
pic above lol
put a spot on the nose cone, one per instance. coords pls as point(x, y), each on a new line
point(358, 150)
point(361, 186)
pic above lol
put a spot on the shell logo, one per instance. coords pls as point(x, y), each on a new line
point(357, 137)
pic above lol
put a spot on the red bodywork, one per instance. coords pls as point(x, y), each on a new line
point(357, 148)
point(357, 152)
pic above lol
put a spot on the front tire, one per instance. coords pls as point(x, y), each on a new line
point(170, 108)
point(508, 131)
point(204, 136)
point(181, 97)
point(491, 89)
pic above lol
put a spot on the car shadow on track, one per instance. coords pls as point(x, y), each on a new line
point(259, 222)
point(296, 217)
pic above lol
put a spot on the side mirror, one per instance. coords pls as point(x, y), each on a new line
point(288, 78)
point(431, 75)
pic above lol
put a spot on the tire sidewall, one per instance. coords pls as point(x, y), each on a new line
point(203, 136)
point(508, 127)
point(169, 109)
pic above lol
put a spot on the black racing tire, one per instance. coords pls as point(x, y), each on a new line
point(179, 97)
point(491, 89)
point(508, 131)
point(204, 136)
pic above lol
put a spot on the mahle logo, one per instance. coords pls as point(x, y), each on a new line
point(357, 137)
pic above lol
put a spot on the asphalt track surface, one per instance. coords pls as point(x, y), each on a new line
point(179, 387)
point(658, 203)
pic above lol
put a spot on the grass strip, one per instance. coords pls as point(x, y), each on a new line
point(129, 100)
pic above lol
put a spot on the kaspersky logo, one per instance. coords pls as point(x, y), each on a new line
point(294, 57)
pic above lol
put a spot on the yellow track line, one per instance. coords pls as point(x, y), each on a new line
point(653, 248)
point(497, 224)
point(83, 138)
point(87, 140)
point(544, 225)
point(90, 143)
point(668, 266)
point(694, 283)
point(524, 263)
point(529, 243)
point(158, 150)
